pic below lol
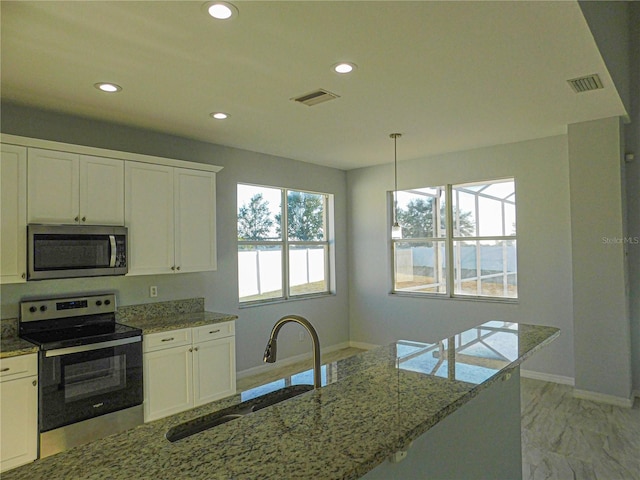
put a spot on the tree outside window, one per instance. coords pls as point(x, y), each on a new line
point(264, 273)
point(480, 246)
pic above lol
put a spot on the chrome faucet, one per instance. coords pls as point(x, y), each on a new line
point(272, 345)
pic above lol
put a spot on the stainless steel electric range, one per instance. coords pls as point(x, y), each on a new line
point(89, 369)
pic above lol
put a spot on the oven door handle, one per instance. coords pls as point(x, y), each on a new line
point(112, 241)
point(92, 346)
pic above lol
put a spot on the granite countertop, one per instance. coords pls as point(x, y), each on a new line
point(374, 404)
point(149, 317)
point(13, 346)
point(163, 323)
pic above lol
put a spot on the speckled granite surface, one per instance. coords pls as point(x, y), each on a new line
point(159, 309)
point(173, 315)
point(10, 344)
point(14, 346)
point(175, 321)
point(150, 317)
point(378, 403)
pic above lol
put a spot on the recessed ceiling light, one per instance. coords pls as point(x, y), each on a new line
point(220, 115)
point(344, 67)
point(221, 10)
point(108, 87)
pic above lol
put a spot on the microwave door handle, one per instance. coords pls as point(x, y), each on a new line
point(112, 241)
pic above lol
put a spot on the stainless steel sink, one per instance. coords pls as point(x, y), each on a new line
point(228, 414)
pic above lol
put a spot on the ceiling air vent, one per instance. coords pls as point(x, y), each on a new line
point(315, 97)
point(586, 84)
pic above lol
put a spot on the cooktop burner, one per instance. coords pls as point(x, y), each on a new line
point(67, 322)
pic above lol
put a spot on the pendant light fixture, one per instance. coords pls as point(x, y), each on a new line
point(396, 229)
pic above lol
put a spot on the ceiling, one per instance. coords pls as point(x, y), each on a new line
point(447, 75)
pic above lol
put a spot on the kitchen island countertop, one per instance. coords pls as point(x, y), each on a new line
point(374, 404)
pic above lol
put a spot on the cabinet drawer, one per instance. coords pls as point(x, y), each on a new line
point(161, 340)
point(18, 367)
point(213, 331)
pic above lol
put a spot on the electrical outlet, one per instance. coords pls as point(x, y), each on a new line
point(153, 291)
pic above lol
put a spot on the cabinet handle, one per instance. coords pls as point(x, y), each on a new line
point(76, 219)
point(214, 331)
point(84, 219)
point(196, 349)
point(5, 369)
point(177, 268)
point(24, 275)
point(191, 349)
point(168, 339)
point(173, 267)
point(34, 383)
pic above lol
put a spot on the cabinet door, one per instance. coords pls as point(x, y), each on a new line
point(13, 214)
point(149, 216)
point(214, 370)
point(53, 193)
point(101, 191)
point(168, 382)
point(18, 422)
point(195, 215)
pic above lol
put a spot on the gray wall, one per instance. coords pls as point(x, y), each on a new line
point(541, 171)
point(600, 308)
point(328, 314)
point(616, 30)
point(632, 137)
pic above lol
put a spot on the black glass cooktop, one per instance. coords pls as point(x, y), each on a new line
point(79, 335)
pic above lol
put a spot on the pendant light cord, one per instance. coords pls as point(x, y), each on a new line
point(395, 176)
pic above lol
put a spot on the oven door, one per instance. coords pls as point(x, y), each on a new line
point(87, 381)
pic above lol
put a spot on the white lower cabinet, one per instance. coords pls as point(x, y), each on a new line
point(18, 411)
point(187, 368)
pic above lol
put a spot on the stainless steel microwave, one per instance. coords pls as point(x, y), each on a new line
point(67, 251)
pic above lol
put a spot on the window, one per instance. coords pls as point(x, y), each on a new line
point(282, 252)
point(480, 246)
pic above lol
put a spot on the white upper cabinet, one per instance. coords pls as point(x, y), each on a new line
point(195, 217)
point(67, 188)
point(149, 217)
point(101, 191)
point(13, 214)
point(170, 213)
point(53, 180)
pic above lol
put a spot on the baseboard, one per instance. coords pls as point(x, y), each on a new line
point(285, 362)
point(603, 398)
point(547, 377)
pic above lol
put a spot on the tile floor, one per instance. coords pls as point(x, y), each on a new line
point(566, 438)
point(563, 438)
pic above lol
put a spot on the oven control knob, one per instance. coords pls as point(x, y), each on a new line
point(33, 309)
point(43, 308)
point(107, 302)
point(98, 302)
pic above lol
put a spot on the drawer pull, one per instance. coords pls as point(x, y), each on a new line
point(5, 369)
point(168, 339)
point(214, 331)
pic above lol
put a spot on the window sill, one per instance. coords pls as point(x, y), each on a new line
point(465, 298)
point(260, 303)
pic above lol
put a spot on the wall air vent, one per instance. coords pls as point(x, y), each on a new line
point(586, 84)
point(315, 97)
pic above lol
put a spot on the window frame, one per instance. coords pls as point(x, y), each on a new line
point(286, 246)
point(449, 240)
